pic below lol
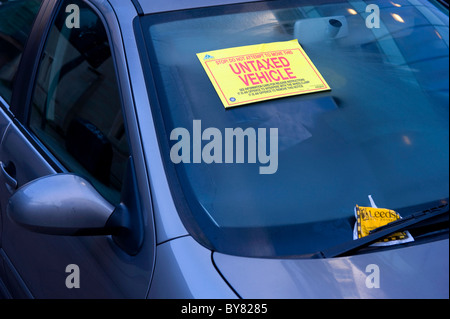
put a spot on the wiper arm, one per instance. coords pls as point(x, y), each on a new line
point(420, 219)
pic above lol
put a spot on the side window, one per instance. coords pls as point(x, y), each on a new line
point(76, 107)
point(16, 20)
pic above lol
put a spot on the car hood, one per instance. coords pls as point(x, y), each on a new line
point(418, 271)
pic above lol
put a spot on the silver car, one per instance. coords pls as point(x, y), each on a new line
point(224, 149)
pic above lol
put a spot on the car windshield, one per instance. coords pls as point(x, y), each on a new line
point(382, 129)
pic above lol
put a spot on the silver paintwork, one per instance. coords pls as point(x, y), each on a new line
point(410, 272)
point(167, 220)
point(184, 269)
point(69, 205)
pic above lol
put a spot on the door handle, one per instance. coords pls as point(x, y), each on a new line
point(10, 181)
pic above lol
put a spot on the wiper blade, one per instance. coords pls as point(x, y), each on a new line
point(415, 219)
point(420, 219)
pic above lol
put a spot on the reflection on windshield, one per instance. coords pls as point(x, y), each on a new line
point(381, 130)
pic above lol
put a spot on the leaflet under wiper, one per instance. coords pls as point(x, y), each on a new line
point(426, 218)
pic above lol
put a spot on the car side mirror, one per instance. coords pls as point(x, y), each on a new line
point(61, 204)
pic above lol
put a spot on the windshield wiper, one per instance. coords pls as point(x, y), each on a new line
point(422, 219)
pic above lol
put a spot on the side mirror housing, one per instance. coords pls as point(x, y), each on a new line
point(61, 204)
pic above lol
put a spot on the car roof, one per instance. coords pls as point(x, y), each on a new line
point(152, 6)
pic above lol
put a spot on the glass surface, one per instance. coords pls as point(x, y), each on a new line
point(16, 20)
point(382, 130)
point(76, 108)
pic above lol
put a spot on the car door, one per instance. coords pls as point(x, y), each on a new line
point(69, 118)
point(16, 21)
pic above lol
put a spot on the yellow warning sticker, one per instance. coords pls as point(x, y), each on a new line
point(370, 218)
point(254, 73)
